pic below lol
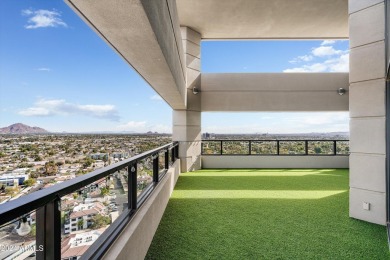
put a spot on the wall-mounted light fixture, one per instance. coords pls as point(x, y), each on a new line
point(341, 91)
point(195, 90)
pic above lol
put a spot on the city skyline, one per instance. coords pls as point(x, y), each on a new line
point(56, 73)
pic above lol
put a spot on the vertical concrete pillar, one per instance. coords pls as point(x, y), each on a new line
point(367, 110)
point(187, 123)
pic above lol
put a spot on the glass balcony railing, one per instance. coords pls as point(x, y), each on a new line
point(275, 147)
point(81, 216)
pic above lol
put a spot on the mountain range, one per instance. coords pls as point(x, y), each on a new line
point(20, 128)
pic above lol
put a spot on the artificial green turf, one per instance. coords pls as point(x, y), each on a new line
point(264, 214)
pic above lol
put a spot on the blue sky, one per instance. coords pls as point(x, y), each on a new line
point(56, 73)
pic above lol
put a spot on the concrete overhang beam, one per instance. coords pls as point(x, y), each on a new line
point(146, 34)
point(266, 19)
point(286, 92)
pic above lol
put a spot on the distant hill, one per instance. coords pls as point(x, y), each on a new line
point(22, 129)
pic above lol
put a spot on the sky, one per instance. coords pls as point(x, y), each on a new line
point(58, 74)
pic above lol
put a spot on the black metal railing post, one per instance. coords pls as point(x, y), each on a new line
point(176, 149)
point(221, 147)
point(155, 168)
point(334, 147)
point(306, 147)
point(166, 154)
point(277, 147)
point(250, 147)
point(132, 193)
point(48, 231)
point(173, 154)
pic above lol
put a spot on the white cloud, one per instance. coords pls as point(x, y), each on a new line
point(44, 69)
point(47, 107)
point(43, 18)
point(305, 58)
point(324, 58)
point(27, 12)
point(36, 111)
point(316, 67)
point(325, 51)
point(143, 127)
point(340, 64)
point(156, 97)
point(294, 70)
point(328, 42)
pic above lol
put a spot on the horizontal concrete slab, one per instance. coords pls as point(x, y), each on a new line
point(251, 19)
point(274, 92)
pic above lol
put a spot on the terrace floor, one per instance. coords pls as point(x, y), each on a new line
point(264, 214)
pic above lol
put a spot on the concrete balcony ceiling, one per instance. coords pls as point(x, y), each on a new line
point(147, 34)
point(265, 19)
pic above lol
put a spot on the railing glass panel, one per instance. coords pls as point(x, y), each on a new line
point(88, 212)
point(292, 147)
point(235, 147)
point(342, 147)
point(320, 147)
point(211, 147)
point(264, 147)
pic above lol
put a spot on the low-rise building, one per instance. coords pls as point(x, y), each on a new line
point(79, 220)
point(120, 155)
point(99, 156)
point(81, 217)
point(77, 244)
point(9, 179)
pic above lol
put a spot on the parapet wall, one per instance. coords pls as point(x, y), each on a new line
point(280, 161)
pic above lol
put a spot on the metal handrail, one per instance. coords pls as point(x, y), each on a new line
point(47, 204)
point(23, 205)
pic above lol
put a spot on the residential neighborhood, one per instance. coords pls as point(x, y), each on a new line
point(29, 163)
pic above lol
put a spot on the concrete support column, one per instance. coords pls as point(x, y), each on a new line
point(187, 123)
point(367, 110)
